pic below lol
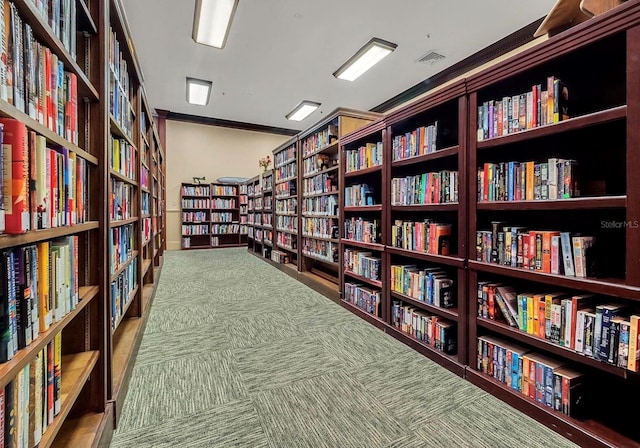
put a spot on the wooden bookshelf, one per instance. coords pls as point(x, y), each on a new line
point(286, 224)
point(225, 215)
point(254, 214)
point(321, 172)
point(598, 109)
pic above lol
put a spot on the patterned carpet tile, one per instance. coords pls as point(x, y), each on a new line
point(231, 425)
point(180, 387)
point(160, 347)
point(326, 411)
point(279, 364)
point(250, 330)
point(177, 317)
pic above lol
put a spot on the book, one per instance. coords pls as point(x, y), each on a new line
point(634, 343)
point(16, 191)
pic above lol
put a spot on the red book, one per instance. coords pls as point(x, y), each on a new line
point(16, 183)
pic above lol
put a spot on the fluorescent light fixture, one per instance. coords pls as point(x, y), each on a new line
point(302, 110)
point(212, 21)
point(198, 91)
point(365, 58)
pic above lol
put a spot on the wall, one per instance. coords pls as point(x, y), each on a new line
point(211, 151)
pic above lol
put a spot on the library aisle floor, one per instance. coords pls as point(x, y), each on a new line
point(237, 354)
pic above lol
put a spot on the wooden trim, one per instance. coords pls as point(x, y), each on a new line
point(209, 121)
point(339, 112)
point(632, 232)
point(448, 313)
point(364, 132)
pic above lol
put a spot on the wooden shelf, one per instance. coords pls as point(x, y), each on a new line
point(321, 238)
point(130, 300)
point(35, 236)
point(146, 264)
point(125, 347)
point(583, 203)
point(290, 232)
point(122, 177)
point(363, 171)
point(434, 258)
point(364, 208)
point(85, 21)
point(84, 430)
point(333, 147)
point(293, 215)
point(375, 320)
point(448, 313)
point(76, 370)
point(123, 222)
point(124, 265)
point(287, 248)
point(42, 31)
point(360, 278)
point(372, 246)
point(426, 207)
point(585, 433)
point(10, 369)
point(318, 173)
point(119, 132)
point(440, 154)
point(9, 111)
point(596, 118)
point(315, 195)
point(611, 287)
point(320, 259)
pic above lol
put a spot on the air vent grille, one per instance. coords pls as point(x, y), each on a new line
point(431, 58)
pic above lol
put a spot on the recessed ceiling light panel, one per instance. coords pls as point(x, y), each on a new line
point(366, 57)
point(212, 21)
point(302, 110)
point(198, 91)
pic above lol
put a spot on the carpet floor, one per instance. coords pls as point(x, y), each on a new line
point(238, 354)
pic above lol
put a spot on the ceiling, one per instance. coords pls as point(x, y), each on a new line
point(280, 52)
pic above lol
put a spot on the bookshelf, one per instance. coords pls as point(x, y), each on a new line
point(286, 191)
point(603, 113)
point(254, 215)
point(267, 180)
point(68, 242)
point(319, 172)
point(243, 213)
point(225, 215)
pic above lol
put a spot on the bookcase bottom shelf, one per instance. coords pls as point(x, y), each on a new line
point(584, 433)
point(90, 430)
point(322, 285)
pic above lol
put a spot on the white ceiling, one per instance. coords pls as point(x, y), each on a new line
point(280, 52)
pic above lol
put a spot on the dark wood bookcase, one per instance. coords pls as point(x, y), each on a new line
point(286, 202)
point(254, 215)
point(98, 341)
point(319, 187)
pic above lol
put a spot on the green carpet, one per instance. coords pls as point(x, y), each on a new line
point(238, 354)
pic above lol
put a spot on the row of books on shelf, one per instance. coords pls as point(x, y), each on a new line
point(318, 163)
point(287, 223)
point(366, 156)
point(267, 183)
point(363, 263)
point(436, 332)
point(432, 286)
point(225, 229)
point(418, 142)
point(363, 230)
point(322, 250)
point(122, 244)
point(121, 203)
point(224, 190)
point(224, 204)
point(145, 204)
point(121, 289)
point(322, 183)
point(586, 323)
point(286, 206)
point(195, 229)
point(519, 181)
point(120, 94)
point(285, 189)
point(34, 79)
point(428, 188)
point(195, 217)
point(280, 257)
point(428, 236)
point(30, 402)
point(528, 110)
point(285, 156)
point(359, 195)
point(144, 177)
point(40, 285)
point(367, 299)
point(286, 240)
point(541, 378)
point(222, 217)
point(195, 190)
point(41, 187)
point(320, 206)
point(196, 203)
point(553, 252)
point(320, 139)
point(61, 17)
point(320, 227)
point(122, 157)
point(254, 189)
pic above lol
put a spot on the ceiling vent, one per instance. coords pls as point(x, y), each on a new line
point(430, 58)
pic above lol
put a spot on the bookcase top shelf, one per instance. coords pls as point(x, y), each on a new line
point(336, 113)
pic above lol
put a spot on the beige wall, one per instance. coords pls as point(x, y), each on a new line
point(211, 151)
